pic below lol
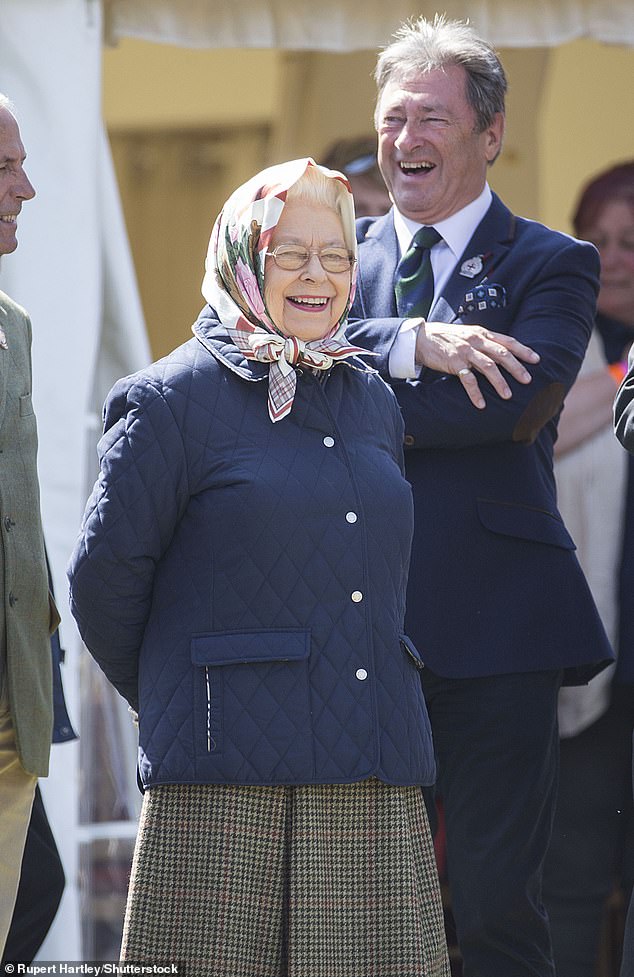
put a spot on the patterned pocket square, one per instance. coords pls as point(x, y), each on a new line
point(486, 296)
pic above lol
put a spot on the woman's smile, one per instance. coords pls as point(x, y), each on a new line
point(308, 303)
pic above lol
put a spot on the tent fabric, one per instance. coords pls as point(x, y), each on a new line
point(73, 272)
point(344, 25)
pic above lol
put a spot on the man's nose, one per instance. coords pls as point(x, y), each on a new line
point(408, 137)
point(26, 190)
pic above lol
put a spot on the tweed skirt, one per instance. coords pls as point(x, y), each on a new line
point(309, 881)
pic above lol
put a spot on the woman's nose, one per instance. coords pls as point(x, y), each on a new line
point(609, 253)
point(313, 267)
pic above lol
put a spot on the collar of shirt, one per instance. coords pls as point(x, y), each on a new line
point(456, 232)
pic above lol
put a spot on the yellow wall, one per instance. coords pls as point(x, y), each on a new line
point(158, 85)
point(586, 122)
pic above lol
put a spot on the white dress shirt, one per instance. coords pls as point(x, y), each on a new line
point(456, 232)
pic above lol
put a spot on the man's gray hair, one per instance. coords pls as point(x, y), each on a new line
point(421, 45)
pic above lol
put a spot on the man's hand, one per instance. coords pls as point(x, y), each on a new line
point(461, 350)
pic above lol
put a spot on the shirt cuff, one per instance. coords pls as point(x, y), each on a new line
point(402, 356)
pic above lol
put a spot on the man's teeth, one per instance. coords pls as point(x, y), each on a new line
point(9, 218)
point(415, 167)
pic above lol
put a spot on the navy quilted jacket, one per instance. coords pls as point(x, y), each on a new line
point(242, 583)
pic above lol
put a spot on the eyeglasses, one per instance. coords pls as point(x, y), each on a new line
point(292, 257)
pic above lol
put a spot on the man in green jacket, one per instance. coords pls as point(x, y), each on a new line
point(26, 613)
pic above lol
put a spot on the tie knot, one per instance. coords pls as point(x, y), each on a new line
point(423, 240)
point(426, 237)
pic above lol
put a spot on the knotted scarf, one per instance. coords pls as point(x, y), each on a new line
point(234, 282)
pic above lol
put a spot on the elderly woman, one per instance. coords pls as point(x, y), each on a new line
point(240, 578)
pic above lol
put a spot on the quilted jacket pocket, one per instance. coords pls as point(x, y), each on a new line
point(411, 651)
point(252, 701)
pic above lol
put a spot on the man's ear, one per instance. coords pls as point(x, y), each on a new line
point(494, 137)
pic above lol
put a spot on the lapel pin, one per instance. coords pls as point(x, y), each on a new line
point(472, 266)
point(3, 340)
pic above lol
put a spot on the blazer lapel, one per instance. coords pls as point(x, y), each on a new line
point(490, 242)
point(375, 282)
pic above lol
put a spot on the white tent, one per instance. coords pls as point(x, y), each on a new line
point(346, 25)
point(73, 269)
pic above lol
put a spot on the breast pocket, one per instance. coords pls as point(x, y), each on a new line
point(524, 522)
point(25, 428)
point(26, 406)
point(252, 702)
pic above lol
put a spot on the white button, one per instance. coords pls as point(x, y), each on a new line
point(329, 442)
point(351, 517)
point(361, 674)
point(356, 596)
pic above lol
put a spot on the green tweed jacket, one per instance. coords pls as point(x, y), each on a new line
point(27, 614)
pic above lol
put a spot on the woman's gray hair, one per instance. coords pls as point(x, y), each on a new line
point(421, 45)
point(315, 187)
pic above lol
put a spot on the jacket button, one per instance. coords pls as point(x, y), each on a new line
point(356, 596)
point(12, 599)
point(8, 523)
point(409, 440)
point(329, 442)
point(361, 674)
point(351, 517)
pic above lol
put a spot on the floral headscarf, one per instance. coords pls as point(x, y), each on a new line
point(234, 280)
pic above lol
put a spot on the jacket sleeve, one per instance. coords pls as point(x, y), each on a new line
point(624, 410)
point(129, 521)
point(553, 313)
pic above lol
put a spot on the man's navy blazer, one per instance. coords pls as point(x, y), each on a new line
point(495, 585)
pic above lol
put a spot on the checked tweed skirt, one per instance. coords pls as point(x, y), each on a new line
point(309, 881)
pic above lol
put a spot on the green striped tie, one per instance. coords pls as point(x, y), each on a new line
point(415, 279)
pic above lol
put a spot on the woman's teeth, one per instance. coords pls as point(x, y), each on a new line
point(308, 301)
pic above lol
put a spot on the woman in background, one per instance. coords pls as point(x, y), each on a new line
point(593, 839)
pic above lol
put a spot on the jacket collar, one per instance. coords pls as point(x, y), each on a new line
point(378, 247)
point(211, 333)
